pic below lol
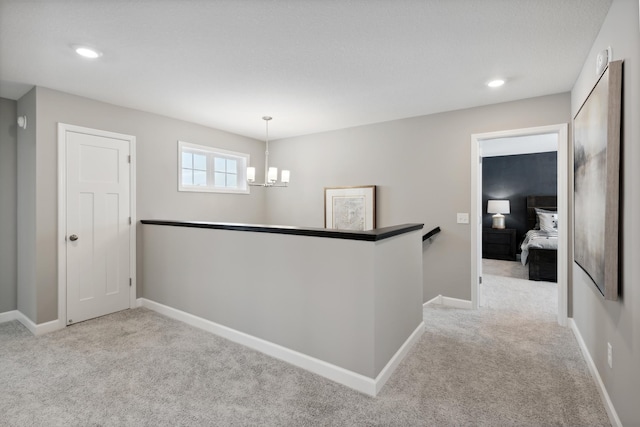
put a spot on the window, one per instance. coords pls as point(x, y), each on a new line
point(225, 172)
point(209, 169)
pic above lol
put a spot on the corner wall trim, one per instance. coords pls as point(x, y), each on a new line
point(402, 352)
point(335, 373)
point(606, 400)
point(39, 329)
point(449, 302)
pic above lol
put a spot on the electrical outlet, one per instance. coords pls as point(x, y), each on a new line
point(610, 355)
point(463, 218)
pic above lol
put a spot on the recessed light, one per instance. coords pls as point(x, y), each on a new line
point(495, 83)
point(87, 52)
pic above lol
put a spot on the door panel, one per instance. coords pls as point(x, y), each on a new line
point(98, 213)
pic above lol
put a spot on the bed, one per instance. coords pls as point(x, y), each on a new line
point(540, 244)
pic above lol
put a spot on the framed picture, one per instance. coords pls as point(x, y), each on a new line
point(596, 166)
point(350, 208)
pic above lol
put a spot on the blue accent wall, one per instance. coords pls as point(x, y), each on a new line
point(514, 178)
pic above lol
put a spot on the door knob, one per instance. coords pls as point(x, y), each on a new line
point(73, 237)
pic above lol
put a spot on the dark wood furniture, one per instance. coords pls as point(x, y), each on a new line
point(499, 243)
point(543, 263)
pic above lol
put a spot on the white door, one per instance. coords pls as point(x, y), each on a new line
point(97, 224)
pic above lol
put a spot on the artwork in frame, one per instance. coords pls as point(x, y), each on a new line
point(350, 208)
point(596, 167)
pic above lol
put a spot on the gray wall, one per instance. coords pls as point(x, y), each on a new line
point(27, 170)
point(398, 294)
point(347, 302)
point(422, 169)
point(157, 180)
point(617, 322)
point(8, 202)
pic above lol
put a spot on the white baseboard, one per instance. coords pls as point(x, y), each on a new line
point(39, 329)
point(335, 373)
point(8, 316)
point(436, 300)
point(608, 404)
point(449, 302)
point(455, 302)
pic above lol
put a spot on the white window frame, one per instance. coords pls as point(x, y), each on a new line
point(211, 153)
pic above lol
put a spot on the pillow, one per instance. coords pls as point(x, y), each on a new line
point(539, 211)
point(548, 221)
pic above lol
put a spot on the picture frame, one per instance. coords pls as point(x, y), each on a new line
point(350, 208)
point(596, 133)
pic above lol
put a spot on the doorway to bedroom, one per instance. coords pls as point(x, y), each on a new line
point(517, 176)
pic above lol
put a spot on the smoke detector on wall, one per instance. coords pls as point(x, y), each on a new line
point(22, 122)
point(602, 60)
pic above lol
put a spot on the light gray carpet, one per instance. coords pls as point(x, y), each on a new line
point(496, 267)
point(508, 364)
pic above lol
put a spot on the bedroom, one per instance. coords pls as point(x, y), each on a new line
point(524, 173)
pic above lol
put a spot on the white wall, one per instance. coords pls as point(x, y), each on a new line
point(617, 322)
point(421, 168)
point(157, 195)
point(8, 203)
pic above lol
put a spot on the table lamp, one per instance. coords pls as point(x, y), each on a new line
point(498, 207)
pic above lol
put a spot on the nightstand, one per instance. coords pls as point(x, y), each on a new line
point(499, 243)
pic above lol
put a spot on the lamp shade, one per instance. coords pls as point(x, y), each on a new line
point(251, 174)
point(272, 176)
point(498, 207)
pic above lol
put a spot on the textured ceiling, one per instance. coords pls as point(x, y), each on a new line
point(314, 65)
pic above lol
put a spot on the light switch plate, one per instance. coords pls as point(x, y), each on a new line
point(463, 218)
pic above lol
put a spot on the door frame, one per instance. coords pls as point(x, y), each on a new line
point(563, 209)
point(62, 212)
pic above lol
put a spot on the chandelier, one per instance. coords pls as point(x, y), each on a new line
point(270, 173)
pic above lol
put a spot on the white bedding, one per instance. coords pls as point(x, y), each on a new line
point(538, 239)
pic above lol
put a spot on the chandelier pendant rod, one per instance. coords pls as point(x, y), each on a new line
point(266, 152)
